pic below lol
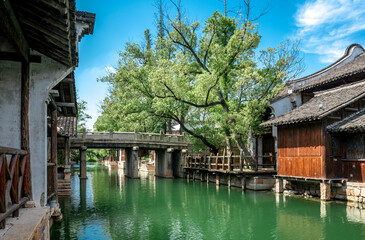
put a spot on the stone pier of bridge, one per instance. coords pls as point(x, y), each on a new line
point(169, 162)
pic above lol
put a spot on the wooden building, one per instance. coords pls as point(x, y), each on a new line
point(310, 145)
point(38, 51)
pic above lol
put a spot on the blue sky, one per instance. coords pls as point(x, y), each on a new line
point(326, 28)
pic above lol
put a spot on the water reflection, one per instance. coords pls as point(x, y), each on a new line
point(110, 206)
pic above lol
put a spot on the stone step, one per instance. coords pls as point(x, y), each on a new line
point(64, 193)
point(63, 181)
point(63, 184)
point(63, 190)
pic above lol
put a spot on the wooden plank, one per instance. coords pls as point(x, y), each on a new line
point(12, 151)
point(10, 26)
point(12, 56)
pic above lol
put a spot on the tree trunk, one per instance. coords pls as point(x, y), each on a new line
point(243, 148)
point(169, 127)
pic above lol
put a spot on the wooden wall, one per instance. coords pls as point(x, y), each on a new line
point(301, 150)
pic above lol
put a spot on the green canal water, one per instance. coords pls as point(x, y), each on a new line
point(110, 206)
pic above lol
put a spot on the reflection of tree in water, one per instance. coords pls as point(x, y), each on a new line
point(120, 208)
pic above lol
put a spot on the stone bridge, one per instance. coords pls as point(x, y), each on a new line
point(170, 149)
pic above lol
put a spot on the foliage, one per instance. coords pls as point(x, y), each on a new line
point(82, 115)
point(211, 80)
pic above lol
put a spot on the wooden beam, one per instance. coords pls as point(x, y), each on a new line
point(25, 106)
point(51, 52)
point(12, 56)
point(12, 151)
point(43, 16)
point(62, 95)
point(64, 104)
point(68, 80)
point(10, 26)
point(54, 147)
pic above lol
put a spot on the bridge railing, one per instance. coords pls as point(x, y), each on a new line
point(132, 136)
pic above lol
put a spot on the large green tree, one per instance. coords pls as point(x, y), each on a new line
point(210, 79)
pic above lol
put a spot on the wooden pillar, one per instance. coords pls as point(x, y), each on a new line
point(210, 162)
point(24, 137)
point(223, 159)
point(54, 147)
point(241, 160)
point(216, 162)
point(83, 162)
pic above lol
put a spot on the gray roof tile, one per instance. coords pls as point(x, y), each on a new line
point(351, 124)
point(322, 104)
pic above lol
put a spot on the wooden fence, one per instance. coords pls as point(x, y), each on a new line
point(229, 163)
point(14, 182)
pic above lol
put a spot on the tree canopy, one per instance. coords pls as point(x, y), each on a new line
point(209, 78)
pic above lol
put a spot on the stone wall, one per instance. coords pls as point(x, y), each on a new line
point(348, 191)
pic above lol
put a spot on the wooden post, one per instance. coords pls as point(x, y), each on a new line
point(256, 163)
point(241, 160)
point(205, 161)
point(24, 109)
point(223, 159)
point(54, 147)
point(229, 162)
point(210, 162)
point(216, 162)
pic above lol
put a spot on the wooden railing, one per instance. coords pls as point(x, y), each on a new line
point(141, 136)
point(14, 182)
point(229, 163)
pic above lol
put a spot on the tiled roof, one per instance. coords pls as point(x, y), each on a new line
point(351, 124)
point(351, 68)
point(322, 104)
point(67, 126)
point(343, 67)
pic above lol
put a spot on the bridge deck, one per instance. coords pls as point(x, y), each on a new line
point(127, 140)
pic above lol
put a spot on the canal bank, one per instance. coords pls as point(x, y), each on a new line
point(110, 206)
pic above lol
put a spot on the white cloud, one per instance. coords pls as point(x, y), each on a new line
point(110, 69)
point(327, 27)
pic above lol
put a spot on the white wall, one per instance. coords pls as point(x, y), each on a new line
point(44, 76)
point(10, 98)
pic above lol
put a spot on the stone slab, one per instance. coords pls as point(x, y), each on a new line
point(24, 226)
